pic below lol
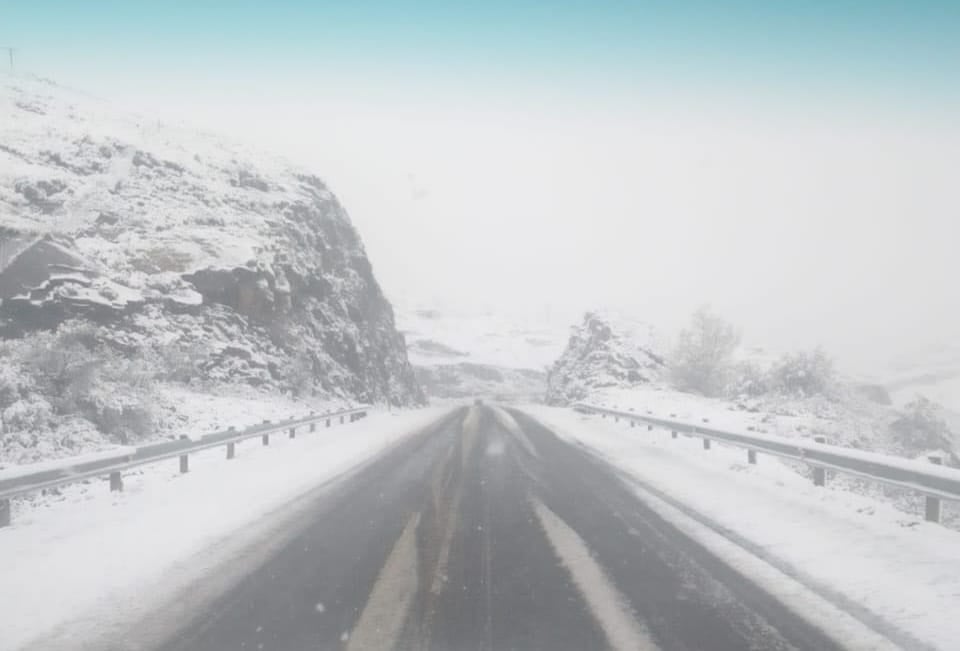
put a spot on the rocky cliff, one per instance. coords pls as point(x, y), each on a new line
point(172, 244)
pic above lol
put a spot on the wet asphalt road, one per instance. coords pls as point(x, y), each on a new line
point(484, 533)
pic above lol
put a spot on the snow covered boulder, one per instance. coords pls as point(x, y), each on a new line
point(605, 351)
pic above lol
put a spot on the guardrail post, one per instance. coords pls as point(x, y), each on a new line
point(932, 504)
point(328, 422)
point(649, 427)
point(231, 450)
point(819, 474)
point(116, 482)
point(341, 420)
point(752, 456)
point(673, 434)
point(706, 444)
point(293, 432)
point(819, 477)
point(4, 513)
point(184, 463)
point(266, 439)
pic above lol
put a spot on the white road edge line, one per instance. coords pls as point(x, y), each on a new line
point(843, 628)
point(609, 608)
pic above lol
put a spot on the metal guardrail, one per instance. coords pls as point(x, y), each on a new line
point(69, 470)
point(932, 480)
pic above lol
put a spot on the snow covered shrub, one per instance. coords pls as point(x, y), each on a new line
point(701, 359)
point(30, 414)
point(299, 375)
point(748, 379)
point(921, 427)
point(10, 382)
point(804, 374)
point(80, 375)
point(180, 362)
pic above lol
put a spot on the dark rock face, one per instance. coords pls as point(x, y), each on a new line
point(186, 243)
point(599, 355)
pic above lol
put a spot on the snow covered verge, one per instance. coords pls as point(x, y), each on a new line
point(175, 410)
point(625, 364)
point(94, 559)
point(892, 569)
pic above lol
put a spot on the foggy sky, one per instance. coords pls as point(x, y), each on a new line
point(798, 175)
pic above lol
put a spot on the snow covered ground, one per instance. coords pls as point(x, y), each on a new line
point(447, 335)
point(99, 560)
point(853, 421)
point(179, 411)
point(892, 568)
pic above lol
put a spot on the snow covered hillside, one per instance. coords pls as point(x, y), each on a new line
point(623, 364)
point(462, 353)
point(136, 255)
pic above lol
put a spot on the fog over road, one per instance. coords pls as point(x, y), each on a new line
point(485, 531)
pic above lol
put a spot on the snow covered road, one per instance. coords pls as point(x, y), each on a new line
point(480, 528)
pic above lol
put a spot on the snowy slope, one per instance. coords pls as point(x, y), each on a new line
point(180, 249)
point(460, 353)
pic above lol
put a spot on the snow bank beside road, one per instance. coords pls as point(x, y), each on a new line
point(95, 556)
point(897, 568)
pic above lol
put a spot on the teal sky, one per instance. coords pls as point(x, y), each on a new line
point(872, 48)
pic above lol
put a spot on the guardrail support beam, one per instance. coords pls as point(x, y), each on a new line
point(752, 456)
point(231, 450)
point(116, 482)
point(184, 463)
point(4, 513)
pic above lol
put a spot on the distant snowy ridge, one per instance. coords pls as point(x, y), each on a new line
point(460, 353)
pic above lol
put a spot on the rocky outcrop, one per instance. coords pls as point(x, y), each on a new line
point(175, 240)
point(603, 352)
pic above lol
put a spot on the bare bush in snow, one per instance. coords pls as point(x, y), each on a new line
point(804, 374)
point(701, 359)
point(922, 427)
point(748, 379)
